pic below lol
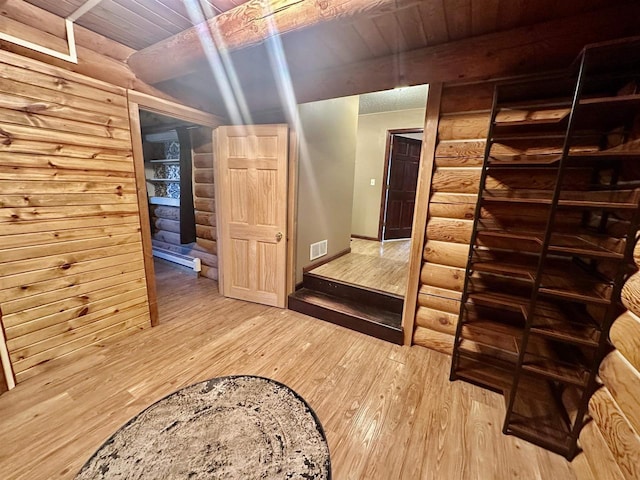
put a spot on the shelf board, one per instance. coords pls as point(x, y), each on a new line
point(552, 369)
point(172, 202)
point(614, 101)
point(522, 267)
point(510, 302)
point(488, 375)
point(560, 276)
point(565, 323)
point(581, 244)
point(559, 102)
point(520, 160)
point(541, 431)
point(551, 320)
point(553, 159)
point(166, 160)
point(167, 180)
point(486, 355)
point(609, 154)
point(538, 418)
point(590, 199)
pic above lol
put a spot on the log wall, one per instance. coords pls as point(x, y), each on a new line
point(166, 219)
point(611, 442)
point(462, 131)
point(204, 201)
point(71, 262)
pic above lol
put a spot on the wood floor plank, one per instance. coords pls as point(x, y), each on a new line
point(378, 265)
point(389, 411)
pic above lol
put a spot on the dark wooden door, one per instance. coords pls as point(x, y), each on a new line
point(402, 179)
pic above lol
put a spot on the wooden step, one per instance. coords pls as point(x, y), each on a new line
point(350, 313)
point(369, 296)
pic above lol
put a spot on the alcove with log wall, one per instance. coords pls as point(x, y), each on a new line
point(610, 442)
point(183, 224)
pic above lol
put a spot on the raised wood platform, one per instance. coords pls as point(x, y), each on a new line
point(364, 310)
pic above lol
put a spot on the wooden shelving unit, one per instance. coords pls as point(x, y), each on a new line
point(547, 262)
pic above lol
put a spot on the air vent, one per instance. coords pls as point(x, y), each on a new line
point(318, 249)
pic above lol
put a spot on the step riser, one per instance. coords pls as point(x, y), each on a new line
point(344, 320)
point(388, 302)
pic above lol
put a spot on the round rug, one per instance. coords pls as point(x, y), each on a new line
point(240, 427)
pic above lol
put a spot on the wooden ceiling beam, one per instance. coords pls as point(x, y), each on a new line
point(541, 47)
point(249, 24)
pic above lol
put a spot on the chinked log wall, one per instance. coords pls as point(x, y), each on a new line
point(462, 131)
point(71, 262)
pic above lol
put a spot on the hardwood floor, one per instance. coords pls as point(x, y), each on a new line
point(380, 265)
point(389, 412)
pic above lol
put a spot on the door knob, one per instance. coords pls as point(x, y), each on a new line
point(279, 236)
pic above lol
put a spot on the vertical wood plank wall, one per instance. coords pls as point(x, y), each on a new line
point(462, 131)
point(71, 264)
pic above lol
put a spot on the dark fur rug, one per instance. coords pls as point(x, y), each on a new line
point(241, 427)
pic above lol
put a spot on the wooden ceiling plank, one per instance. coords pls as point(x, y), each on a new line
point(346, 42)
point(250, 24)
point(47, 22)
point(434, 22)
point(484, 16)
point(372, 37)
point(538, 10)
point(128, 37)
point(112, 12)
point(458, 15)
point(563, 9)
point(176, 6)
point(305, 50)
point(412, 27)
point(222, 5)
point(62, 8)
point(390, 30)
point(511, 12)
point(548, 45)
point(157, 13)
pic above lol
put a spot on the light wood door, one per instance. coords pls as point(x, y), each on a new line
point(252, 212)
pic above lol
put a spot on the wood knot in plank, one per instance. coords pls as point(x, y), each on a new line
point(65, 266)
point(60, 82)
point(34, 108)
point(8, 138)
point(83, 312)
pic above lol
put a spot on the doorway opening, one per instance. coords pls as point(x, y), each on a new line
point(399, 183)
point(360, 152)
point(173, 158)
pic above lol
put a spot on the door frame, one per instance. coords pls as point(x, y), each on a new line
point(141, 101)
point(385, 172)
